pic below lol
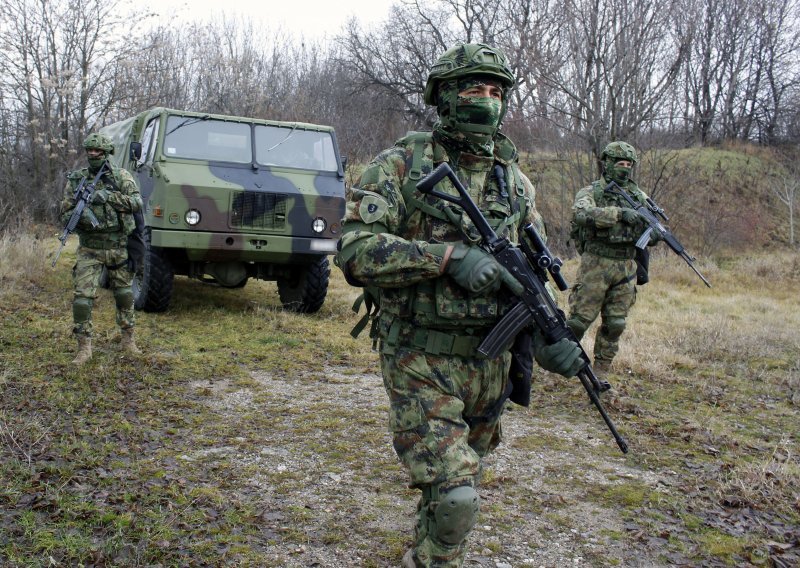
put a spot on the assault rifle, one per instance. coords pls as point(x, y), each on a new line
point(648, 213)
point(532, 267)
point(81, 198)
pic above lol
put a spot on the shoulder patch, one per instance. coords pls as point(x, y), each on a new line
point(372, 208)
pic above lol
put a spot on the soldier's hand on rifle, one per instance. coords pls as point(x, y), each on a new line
point(100, 196)
point(562, 357)
point(630, 216)
point(655, 237)
point(477, 271)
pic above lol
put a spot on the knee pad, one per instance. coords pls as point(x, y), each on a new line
point(82, 309)
point(455, 515)
point(612, 328)
point(124, 298)
point(578, 326)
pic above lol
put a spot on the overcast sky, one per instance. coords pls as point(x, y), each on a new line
point(314, 19)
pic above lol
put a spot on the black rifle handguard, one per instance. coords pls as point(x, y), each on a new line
point(648, 213)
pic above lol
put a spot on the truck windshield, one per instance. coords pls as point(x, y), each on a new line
point(202, 138)
point(295, 148)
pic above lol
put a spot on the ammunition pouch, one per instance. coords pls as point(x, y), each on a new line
point(642, 259)
point(400, 333)
point(520, 374)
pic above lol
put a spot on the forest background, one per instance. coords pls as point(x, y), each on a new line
point(670, 78)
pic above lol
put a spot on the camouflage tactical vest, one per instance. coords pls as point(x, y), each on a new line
point(616, 241)
point(441, 303)
point(113, 225)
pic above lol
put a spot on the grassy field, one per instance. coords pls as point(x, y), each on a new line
point(241, 434)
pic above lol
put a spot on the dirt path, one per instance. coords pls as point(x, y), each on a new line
point(332, 493)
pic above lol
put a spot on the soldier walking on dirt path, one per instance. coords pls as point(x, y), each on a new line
point(605, 229)
point(102, 243)
point(439, 295)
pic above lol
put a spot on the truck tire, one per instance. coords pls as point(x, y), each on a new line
point(305, 290)
point(152, 283)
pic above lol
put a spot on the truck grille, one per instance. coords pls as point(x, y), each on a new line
point(256, 210)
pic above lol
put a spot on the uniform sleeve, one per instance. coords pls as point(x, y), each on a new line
point(127, 199)
point(66, 205)
point(586, 212)
point(371, 251)
point(533, 216)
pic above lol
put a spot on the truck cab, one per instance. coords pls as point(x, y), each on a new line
point(231, 198)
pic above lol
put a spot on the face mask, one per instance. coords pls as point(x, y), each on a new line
point(618, 173)
point(95, 163)
point(480, 111)
point(622, 174)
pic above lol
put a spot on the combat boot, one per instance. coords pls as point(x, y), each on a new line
point(128, 343)
point(84, 350)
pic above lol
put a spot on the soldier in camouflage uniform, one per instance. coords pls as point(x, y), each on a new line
point(605, 230)
point(439, 296)
point(114, 201)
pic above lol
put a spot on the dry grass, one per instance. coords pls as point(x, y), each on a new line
point(192, 451)
point(22, 257)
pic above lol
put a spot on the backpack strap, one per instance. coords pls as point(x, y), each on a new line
point(415, 169)
point(370, 298)
point(598, 192)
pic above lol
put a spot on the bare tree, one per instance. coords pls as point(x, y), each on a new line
point(53, 69)
point(785, 185)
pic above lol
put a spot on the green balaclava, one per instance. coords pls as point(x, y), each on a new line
point(477, 118)
point(470, 122)
point(98, 141)
point(619, 174)
point(613, 153)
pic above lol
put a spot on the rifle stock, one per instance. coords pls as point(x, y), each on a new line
point(532, 267)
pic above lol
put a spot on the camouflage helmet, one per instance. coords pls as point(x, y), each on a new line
point(99, 141)
point(616, 151)
point(468, 59)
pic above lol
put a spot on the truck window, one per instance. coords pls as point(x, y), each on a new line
point(200, 138)
point(148, 142)
point(295, 148)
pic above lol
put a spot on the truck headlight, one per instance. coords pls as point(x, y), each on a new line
point(192, 217)
point(318, 225)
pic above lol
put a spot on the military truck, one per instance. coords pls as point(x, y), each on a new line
point(230, 198)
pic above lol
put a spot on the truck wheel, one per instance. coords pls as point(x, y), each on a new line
point(305, 290)
point(152, 283)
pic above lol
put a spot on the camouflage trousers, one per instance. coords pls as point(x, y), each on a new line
point(444, 417)
point(86, 276)
point(607, 287)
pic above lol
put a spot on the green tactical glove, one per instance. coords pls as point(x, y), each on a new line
point(562, 357)
point(655, 237)
point(100, 196)
point(630, 216)
point(478, 272)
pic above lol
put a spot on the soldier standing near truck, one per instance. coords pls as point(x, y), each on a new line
point(102, 243)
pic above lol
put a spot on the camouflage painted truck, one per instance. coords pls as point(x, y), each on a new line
point(230, 198)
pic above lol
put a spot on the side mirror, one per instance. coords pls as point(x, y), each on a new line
point(135, 151)
point(344, 162)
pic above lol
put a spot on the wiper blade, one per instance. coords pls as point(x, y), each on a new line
point(189, 121)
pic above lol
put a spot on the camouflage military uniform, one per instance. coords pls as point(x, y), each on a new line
point(103, 246)
point(605, 230)
point(445, 400)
